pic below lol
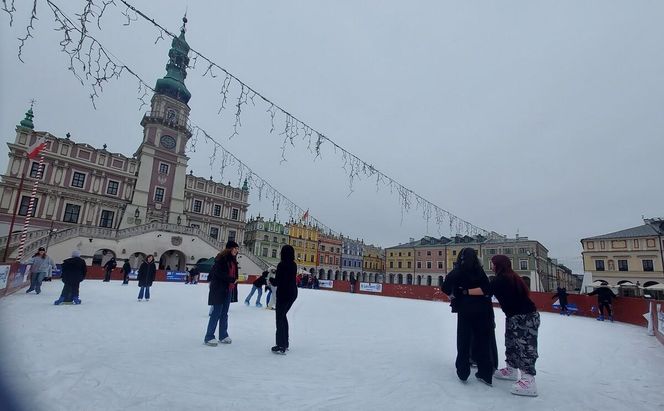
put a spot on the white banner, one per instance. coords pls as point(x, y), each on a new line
point(4, 275)
point(325, 283)
point(371, 287)
point(203, 276)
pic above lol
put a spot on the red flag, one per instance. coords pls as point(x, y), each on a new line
point(305, 215)
point(36, 148)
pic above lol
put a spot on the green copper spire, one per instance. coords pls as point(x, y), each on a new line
point(176, 69)
point(245, 186)
point(27, 121)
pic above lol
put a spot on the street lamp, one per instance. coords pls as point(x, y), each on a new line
point(51, 231)
point(137, 213)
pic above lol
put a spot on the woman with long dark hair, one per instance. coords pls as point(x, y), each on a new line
point(475, 315)
point(521, 324)
point(146, 275)
point(223, 279)
point(286, 295)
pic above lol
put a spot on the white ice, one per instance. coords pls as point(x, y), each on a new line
point(348, 352)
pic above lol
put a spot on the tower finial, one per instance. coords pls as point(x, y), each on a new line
point(184, 22)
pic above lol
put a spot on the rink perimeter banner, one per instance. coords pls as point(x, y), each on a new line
point(325, 283)
point(4, 275)
point(371, 287)
point(175, 276)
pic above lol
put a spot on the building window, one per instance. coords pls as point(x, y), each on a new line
point(523, 264)
point(34, 169)
point(491, 251)
point(71, 213)
point(78, 180)
point(636, 243)
point(440, 253)
point(648, 265)
point(440, 265)
point(231, 235)
point(399, 264)
point(198, 206)
point(25, 203)
point(264, 251)
point(599, 265)
point(429, 264)
point(408, 264)
point(196, 226)
point(112, 187)
point(507, 251)
point(391, 264)
point(106, 219)
point(419, 264)
point(235, 213)
point(159, 195)
point(428, 252)
point(163, 168)
point(217, 210)
point(274, 253)
point(622, 265)
point(214, 232)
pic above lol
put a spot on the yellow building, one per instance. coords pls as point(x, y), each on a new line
point(373, 263)
point(304, 239)
point(400, 263)
point(628, 258)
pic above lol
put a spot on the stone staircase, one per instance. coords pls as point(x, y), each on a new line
point(40, 238)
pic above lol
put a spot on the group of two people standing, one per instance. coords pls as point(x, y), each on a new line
point(223, 279)
point(469, 287)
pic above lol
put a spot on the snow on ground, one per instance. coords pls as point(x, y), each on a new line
point(348, 352)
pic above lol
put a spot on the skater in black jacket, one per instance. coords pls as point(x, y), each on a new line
point(126, 269)
point(73, 272)
point(108, 269)
point(223, 281)
point(561, 294)
point(286, 296)
point(146, 275)
point(257, 285)
point(475, 315)
point(604, 298)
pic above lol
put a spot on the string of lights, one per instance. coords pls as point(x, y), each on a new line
point(97, 66)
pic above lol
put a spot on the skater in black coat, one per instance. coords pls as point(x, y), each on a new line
point(223, 281)
point(604, 298)
point(475, 316)
point(73, 272)
point(561, 294)
point(286, 296)
point(146, 275)
point(126, 269)
point(108, 269)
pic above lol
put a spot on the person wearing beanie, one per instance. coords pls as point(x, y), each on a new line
point(40, 268)
point(257, 285)
point(73, 272)
point(223, 281)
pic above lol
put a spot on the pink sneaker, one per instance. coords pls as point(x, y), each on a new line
point(526, 386)
point(507, 373)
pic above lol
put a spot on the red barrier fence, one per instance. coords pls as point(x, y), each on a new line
point(626, 309)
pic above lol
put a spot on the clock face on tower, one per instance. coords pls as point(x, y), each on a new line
point(167, 142)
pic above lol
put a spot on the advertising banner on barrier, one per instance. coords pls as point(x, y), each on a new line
point(56, 271)
point(4, 275)
point(325, 283)
point(660, 319)
point(203, 276)
point(21, 276)
point(175, 276)
point(371, 287)
point(133, 275)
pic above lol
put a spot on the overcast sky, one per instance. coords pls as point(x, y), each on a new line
point(531, 117)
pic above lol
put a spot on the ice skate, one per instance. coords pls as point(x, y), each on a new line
point(507, 373)
point(526, 386)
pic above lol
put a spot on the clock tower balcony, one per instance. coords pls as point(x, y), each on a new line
point(178, 122)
